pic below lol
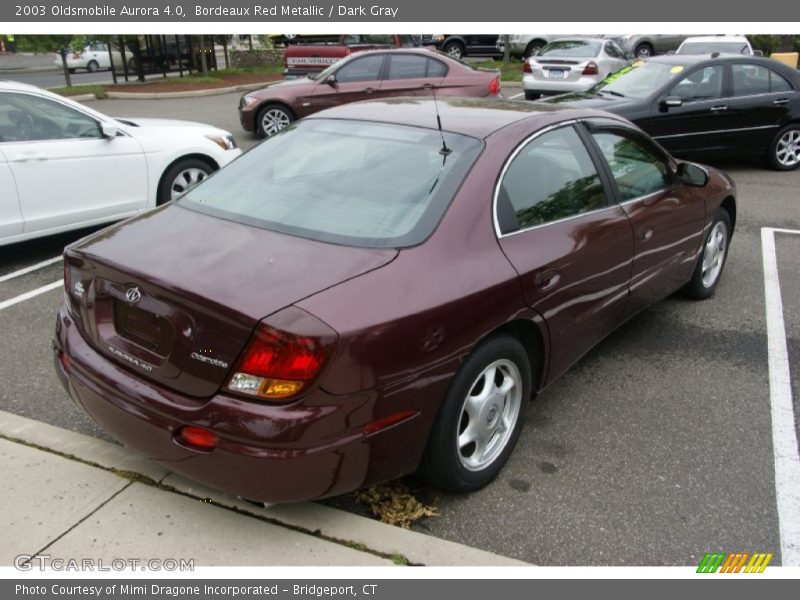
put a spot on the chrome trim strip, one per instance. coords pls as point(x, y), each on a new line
point(677, 135)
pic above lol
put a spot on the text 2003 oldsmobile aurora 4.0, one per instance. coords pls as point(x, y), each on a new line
point(362, 294)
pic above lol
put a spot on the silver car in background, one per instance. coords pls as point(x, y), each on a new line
point(643, 45)
point(527, 44)
point(571, 65)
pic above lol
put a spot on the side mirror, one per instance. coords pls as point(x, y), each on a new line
point(108, 130)
point(331, 80)
point(758, 53)
point(672, 102)
point(692, 174)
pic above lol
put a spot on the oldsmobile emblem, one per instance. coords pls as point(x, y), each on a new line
point(133, 295)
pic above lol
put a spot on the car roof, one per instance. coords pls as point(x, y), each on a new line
point(475, 117)
point(693, 59)
point(715, 38)
point(580, 38)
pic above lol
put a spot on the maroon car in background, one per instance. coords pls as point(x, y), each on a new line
point(366, 75)
point(366, 293)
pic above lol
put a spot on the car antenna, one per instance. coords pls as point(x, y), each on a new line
point(445, 151)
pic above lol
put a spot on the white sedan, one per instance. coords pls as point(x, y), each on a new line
point(65, 166)
point(93, 57)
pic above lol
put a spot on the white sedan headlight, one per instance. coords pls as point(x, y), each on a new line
point(224, 141)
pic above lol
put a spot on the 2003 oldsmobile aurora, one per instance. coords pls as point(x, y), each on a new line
point(363, 294)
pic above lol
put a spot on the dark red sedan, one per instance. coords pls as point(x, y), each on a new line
point(363, 76)
point(364, 294)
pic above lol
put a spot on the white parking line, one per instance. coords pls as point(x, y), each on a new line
point(784, 436)
point(44, 263)
point(31, 294)
point(516, 95)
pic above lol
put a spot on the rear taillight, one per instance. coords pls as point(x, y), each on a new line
point(526, 68)
point(494, 86)
point(197, 438)
point(284, 357)
point(591, 69)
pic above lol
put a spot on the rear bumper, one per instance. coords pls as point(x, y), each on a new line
point(310, 449)
point(558, 86)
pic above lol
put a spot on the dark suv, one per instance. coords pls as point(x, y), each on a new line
point(459, 45)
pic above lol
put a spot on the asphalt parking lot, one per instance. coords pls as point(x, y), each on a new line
point(655, 448)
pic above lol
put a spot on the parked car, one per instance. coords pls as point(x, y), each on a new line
point(721, 44)
point(65, 166)
point(343, 305)
point(526, 45)
point(373, 74)
point(703, 107)
point(459, 45)
point(303, 58)
point(647, 45)
point(570, 65)
point(93, 57)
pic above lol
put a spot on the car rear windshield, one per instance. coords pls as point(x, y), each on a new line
point(571, 48)
point(640, 80)
point(346, 182)
point(709, 47)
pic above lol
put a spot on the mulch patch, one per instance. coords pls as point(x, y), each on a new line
point(174, 84)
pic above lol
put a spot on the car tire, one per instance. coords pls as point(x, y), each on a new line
point(182, 175)
point(451, 460)
point(92, 66)
point(643, 50)
point(784, 151)
point(71, 70)
point(531, 48)
point(454, 50)
point(273, 118)
point(711, 261)
point(532, 95)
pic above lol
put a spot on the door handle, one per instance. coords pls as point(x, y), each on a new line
point(719, 108)
point(369, 90)
point(780, 101)
point(547, 279)
point(427, 86)
point(645, 233)
point(26, 156)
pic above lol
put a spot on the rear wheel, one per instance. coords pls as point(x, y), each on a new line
point(481, 417)
point(182, 176)
point(709, 267)
point(272, 119)
point(454, 50)
point(532, 48)
point(784, 151)
point(644, 50)
point(532, 95)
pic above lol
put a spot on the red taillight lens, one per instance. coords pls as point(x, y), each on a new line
point(526, 68)
point(285, 355)
point(591, 69)
point(494, 86)
point(197, 437)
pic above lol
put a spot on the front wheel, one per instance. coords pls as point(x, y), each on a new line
point(272, 119)
point(709, 267)
point(92, 66)
point(480, 418)
point(182, 176)
point(784, 151)
point(454, 50)
point(644, 50)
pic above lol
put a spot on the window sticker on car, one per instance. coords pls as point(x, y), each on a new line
point(617, 74)
point(676, 69)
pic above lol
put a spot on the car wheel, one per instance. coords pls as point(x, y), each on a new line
point(454, 50)
point(532, 95)
point(784, 151)
point(71, 70)
point(181, 176)
point(709, 267)
point(92, 66)
point(480, 418)
point(532, 48)
point(272, 119)
point(644, 50)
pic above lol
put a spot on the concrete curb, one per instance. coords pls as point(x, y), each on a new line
point(82, 97)
point(349, 529)
point(188, 94)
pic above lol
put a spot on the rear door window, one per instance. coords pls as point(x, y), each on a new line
point(749, 79)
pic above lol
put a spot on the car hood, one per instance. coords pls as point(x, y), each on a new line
point(291, 87)
point(589, 100)
point(137, 122)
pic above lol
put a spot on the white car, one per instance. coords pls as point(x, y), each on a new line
point(723, 44)
point(65, 166)
point(571, 65)
point(93, 58)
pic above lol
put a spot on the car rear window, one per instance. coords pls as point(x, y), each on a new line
point(709, 47)
point(347, 182)
point(571, 48)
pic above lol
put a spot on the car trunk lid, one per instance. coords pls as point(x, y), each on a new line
point(174, 295)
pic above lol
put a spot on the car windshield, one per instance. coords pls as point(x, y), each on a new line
point(346, 182)
point(709, 47)
point(640, 81)
point(571, 48)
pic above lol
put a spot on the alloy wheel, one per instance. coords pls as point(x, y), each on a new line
point(787, 150)
point(714, 254)
point(274, 120)
point(489, 415)
point(186, 179)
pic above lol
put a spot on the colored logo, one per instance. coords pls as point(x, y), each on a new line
point(735, 562)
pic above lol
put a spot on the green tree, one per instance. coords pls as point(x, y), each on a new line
point(60, 44)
